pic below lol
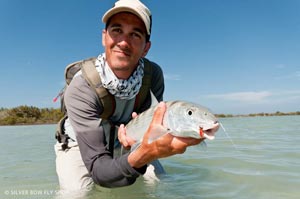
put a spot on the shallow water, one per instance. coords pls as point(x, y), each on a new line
point(264, 164)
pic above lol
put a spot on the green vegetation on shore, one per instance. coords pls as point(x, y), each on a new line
point(33, 115)
point(29, 115)
point(278, 113)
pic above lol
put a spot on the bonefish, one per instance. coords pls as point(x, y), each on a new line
point(182, 119)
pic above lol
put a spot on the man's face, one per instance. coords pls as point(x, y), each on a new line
point(125, 43)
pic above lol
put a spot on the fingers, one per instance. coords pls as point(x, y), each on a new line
point(123, 139)
point(189, 141)
point(156, 123)
point(180, 144)
point(134, 115)
point(159, 113)
point(169, 145)
point(121, 135)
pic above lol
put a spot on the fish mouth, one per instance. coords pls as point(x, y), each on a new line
point(209, 131)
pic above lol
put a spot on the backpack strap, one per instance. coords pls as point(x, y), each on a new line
point(92, 76)
point(60, 134)
point(146, 86)
point(70, 72)
point(72, 69)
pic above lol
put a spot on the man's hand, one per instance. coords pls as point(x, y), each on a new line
point(126, 141)
point(165, 146)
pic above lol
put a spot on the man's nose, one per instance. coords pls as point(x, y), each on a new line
point(124, 40)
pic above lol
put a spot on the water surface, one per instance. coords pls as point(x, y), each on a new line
point(264, 164)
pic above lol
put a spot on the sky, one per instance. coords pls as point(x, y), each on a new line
point(232, 56)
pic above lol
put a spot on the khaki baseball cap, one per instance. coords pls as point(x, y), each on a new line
point(133, 6)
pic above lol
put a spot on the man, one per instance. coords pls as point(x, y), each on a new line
point(121, 68)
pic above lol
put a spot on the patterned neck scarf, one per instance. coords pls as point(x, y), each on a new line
point(123, 89)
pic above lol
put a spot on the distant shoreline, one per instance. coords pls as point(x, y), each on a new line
point(29, 115)
point(217, 115)
point(28, 124)
point(278, 113)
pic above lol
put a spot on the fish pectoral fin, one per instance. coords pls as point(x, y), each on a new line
point(135, 146)
point(157, 133)
point(154, 101)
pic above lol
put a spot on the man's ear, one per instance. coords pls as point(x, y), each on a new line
point(103, 37)
point(147, 48)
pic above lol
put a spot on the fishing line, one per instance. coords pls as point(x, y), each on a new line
point(227, 135)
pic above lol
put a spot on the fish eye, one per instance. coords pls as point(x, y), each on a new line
point(190, 112)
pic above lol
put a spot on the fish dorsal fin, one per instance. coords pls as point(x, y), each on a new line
point(154, 101)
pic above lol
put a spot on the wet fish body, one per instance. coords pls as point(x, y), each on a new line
point(182, 119)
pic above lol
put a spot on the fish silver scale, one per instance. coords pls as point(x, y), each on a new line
point(183, 119)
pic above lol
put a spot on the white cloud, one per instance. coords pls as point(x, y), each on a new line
point(260, 97)
point(252, 97)
point(287, 96)
point(281, 66)
point(173, 77)
point(253, 102)
point(294, 75)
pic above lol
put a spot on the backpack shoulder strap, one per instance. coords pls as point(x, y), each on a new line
point(70, 72)
point(146, 86)
point(90, 73)
point(92, 76)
